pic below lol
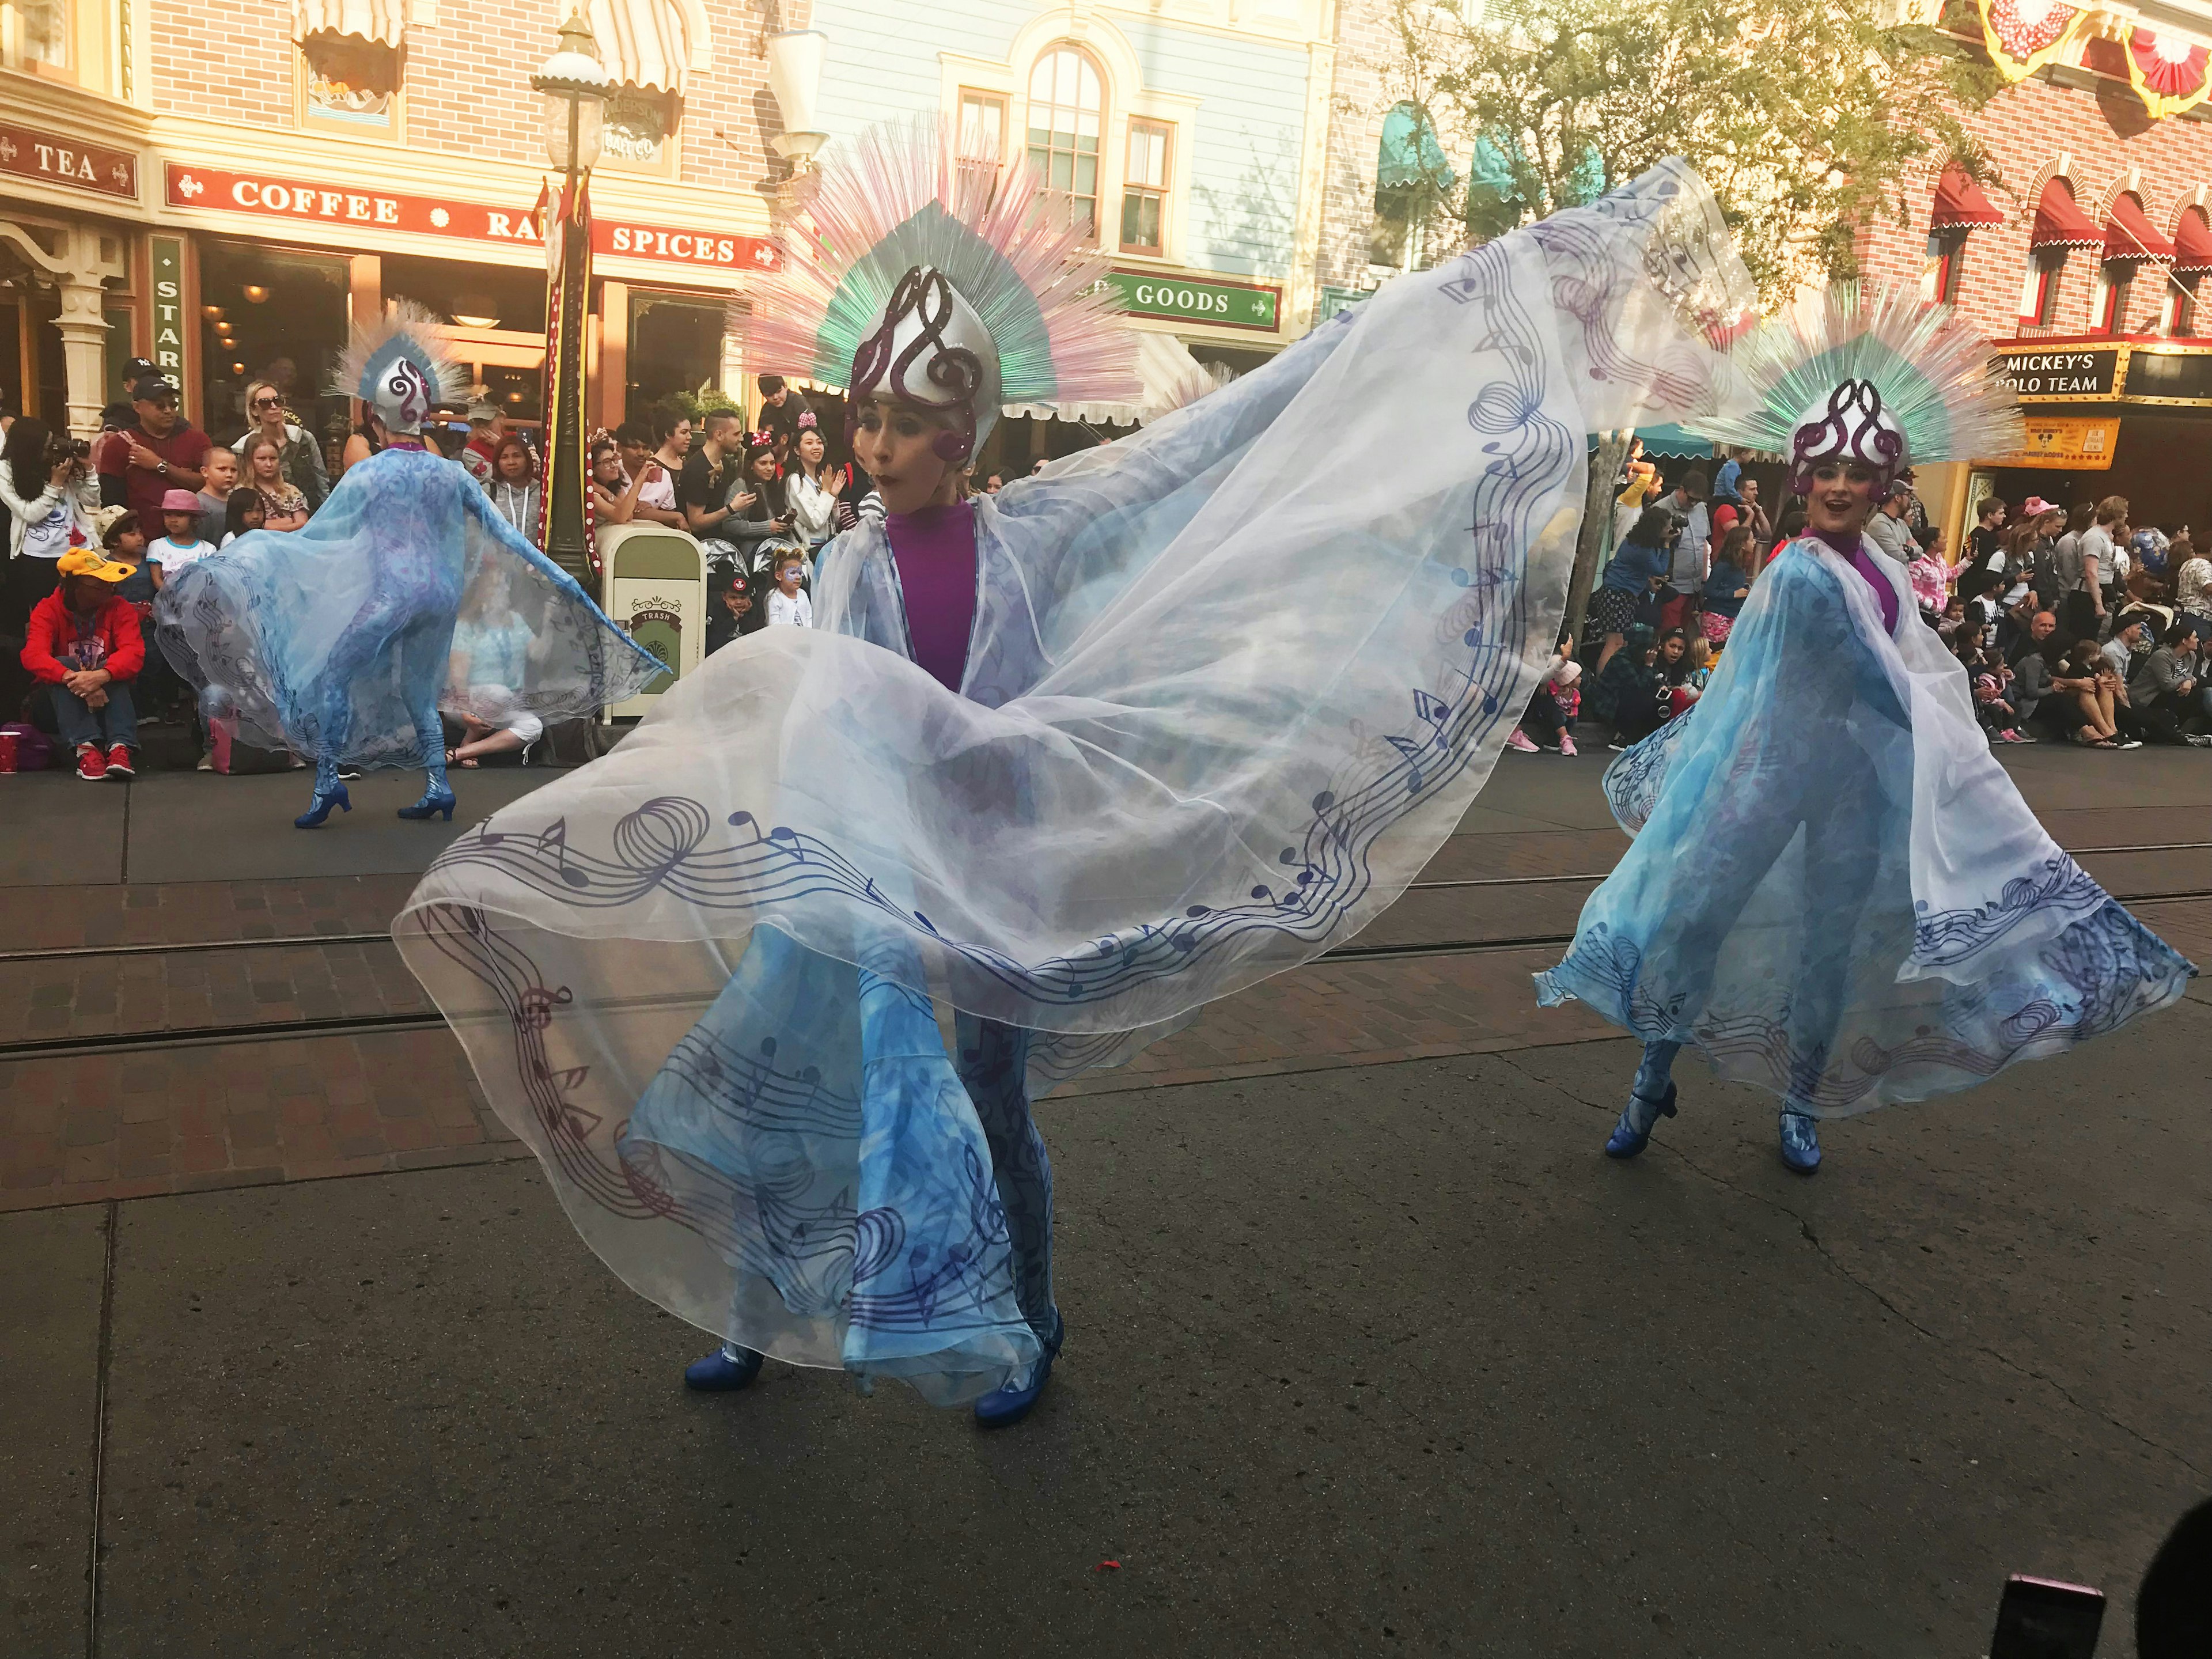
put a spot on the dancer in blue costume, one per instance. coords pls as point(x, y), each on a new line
point(335, 640)
point(1064, 763)
point(1835, 891)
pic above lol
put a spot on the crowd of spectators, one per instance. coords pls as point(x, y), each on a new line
point(2069, 625)
point(93, 525)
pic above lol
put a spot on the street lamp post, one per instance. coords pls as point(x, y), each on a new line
point(573, 85)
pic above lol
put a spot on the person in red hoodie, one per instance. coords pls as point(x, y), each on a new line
point(83, 643)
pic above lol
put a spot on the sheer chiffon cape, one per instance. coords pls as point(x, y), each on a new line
point(1230, 683)
point(1835, 890)
point(369, 593)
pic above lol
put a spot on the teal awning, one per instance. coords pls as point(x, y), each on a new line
point(1410, 154)
point(1588, 183)
point(1672, 443)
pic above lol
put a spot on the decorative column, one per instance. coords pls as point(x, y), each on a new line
point(76, 261)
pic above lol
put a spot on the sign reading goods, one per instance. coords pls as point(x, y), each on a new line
point(297, 200)
point(1195, 300)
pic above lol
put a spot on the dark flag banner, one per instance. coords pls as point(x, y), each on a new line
point(565, 528)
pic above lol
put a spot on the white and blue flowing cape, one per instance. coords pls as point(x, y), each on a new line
point(1232, 683)
point(366, 599)
point(1835, 891)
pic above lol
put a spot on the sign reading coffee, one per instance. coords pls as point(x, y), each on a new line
point(292, 199)
point(2043, 375)
point(1193, 300)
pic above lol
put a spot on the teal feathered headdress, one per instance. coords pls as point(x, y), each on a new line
point(1887, 381)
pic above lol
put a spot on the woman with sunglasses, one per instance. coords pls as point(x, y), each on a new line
point(299, 457)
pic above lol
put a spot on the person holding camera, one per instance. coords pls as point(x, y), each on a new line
point(44, 480)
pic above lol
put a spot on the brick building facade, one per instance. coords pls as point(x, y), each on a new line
point(2100, 345)
point(224, 189)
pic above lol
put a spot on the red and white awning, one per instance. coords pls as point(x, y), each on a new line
point(2060, 222)
point(1960, 202)
point(2129, 235)
point(2192, 243)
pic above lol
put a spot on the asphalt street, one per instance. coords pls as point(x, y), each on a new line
point(1382, 1358)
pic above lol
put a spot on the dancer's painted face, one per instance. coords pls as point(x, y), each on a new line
point(896, 443)
point(1845, 494)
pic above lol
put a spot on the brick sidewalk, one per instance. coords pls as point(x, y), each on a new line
point(172, 912)
point(184, 1118)
point(97, 1126)
point(102, 1125)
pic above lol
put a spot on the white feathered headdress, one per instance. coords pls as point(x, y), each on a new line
point(399, 367)
point(956, 284)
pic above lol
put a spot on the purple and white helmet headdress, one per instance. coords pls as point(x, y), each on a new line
point(1887, 381)
point(960, 285)
point(397, 366)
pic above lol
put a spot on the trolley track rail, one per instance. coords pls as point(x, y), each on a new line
point(222, 1035)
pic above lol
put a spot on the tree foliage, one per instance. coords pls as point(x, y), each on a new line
point(1803, 119)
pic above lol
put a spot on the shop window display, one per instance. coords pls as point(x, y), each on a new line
point(270, 314)
point(675, 346)
point(639, 126)
point(34, 35)
point(351, 82)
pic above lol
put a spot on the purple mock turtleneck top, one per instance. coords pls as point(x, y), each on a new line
point(1884, 593)
point(934, 552)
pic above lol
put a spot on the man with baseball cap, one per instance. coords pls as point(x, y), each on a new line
point(83, 645)
point(164, 453)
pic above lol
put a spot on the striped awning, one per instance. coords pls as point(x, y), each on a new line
point(649, 44)
point(2192, 243)
point(381, 21)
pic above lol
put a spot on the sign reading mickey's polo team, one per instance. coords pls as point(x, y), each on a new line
point(305, 202)
point(1198, 300)
point(2058, 373)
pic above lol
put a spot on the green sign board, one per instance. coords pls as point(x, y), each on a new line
point(1198, 300)
point(169, 328)
point(1333, 300)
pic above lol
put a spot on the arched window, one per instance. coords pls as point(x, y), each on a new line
point(1066, 114)
point(1961, 206)
point(2060, 228)
point(2131, 243)
point(2192, 258)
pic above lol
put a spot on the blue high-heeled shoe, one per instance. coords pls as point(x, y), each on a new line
point(1800, 1142)
point(720, 1372)
point(1012, 1402)
point(319, 808)
point(434, 803)
point(1637, 1119)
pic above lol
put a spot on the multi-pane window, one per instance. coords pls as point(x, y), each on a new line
point(1947, 259)
point(2120, 283)
point(2044, 279)
point(1145, 186)
point(1066, 104)
point(982, 126)
point(2181, 302)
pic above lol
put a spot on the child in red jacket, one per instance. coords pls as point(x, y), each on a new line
point(84, 646)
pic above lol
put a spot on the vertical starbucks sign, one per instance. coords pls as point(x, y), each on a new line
point(169, 326)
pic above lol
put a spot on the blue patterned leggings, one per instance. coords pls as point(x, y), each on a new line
point(993, 1061)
